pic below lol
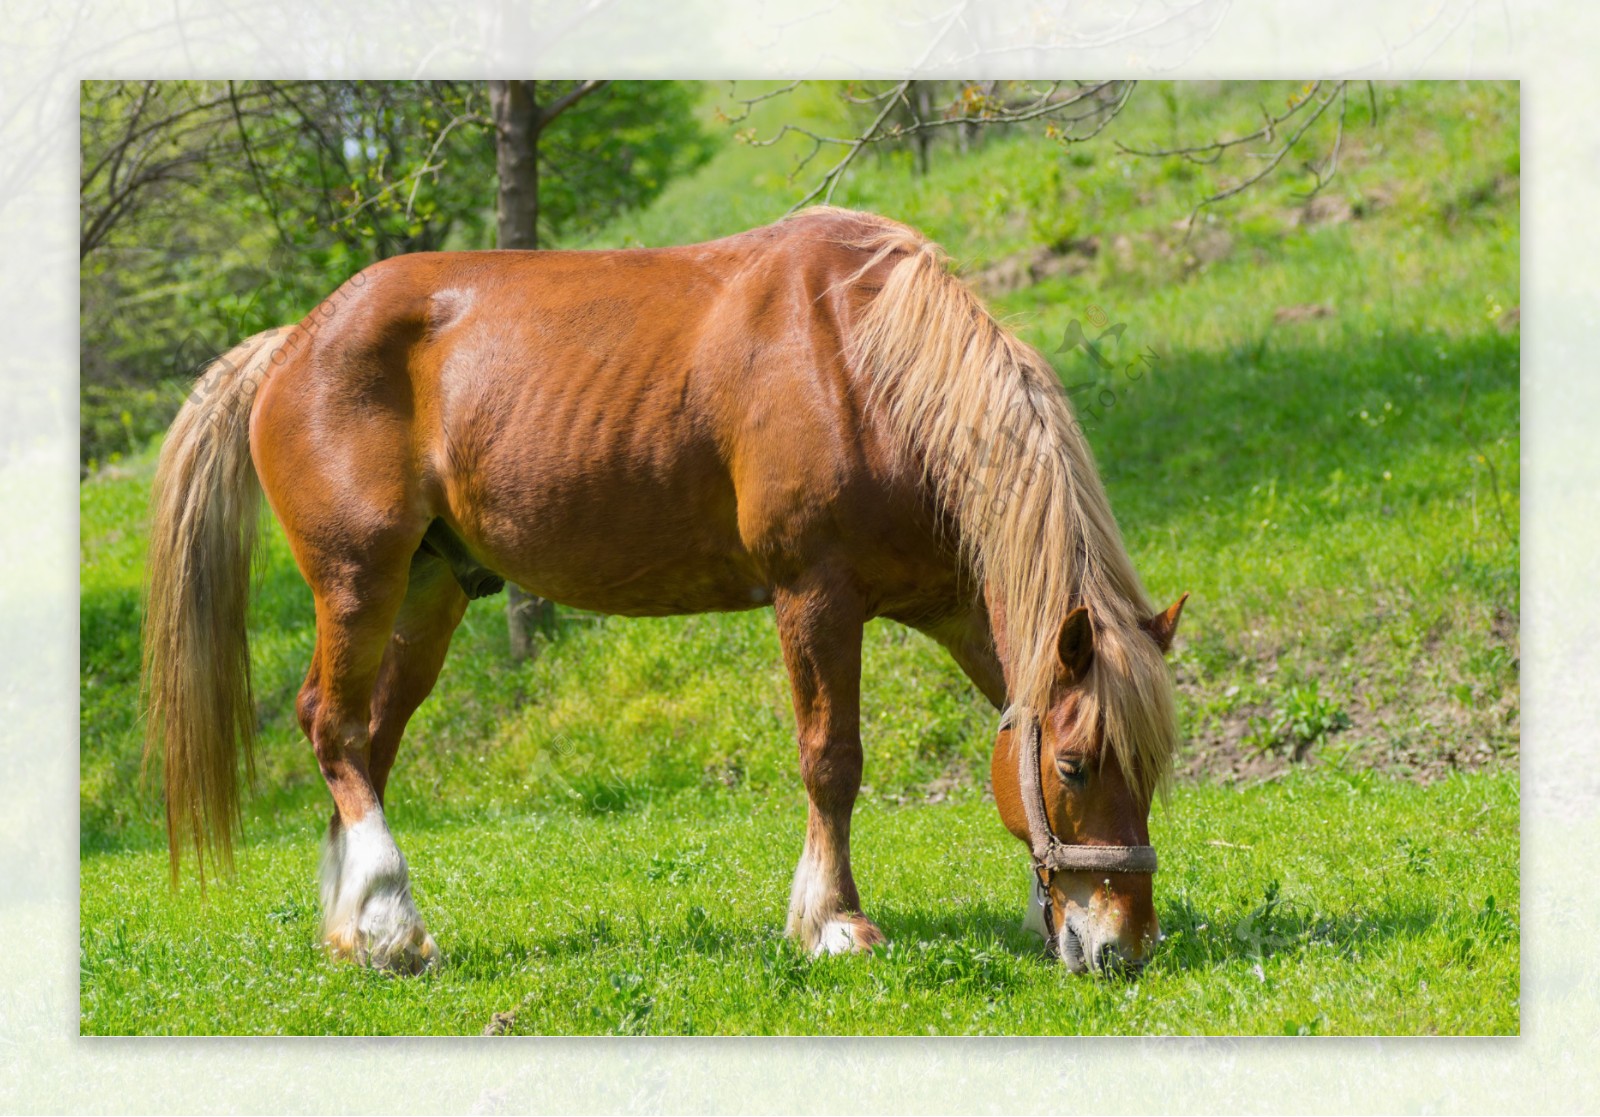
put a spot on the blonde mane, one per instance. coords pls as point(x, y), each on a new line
point(986, 415)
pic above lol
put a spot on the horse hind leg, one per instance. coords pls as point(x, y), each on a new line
point(382, 626)
point(820, 626)
point(369, 914)
point(434, 604)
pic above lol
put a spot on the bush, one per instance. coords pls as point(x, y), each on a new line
point(118, 420)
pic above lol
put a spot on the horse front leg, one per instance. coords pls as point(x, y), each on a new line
point(969, 639)
point(820, 624)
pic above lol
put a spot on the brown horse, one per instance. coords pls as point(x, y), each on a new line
point(815, 416)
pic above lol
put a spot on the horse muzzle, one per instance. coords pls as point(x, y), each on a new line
point(1083, 949)
point(1093, 932)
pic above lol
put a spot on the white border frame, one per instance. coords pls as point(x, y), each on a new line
point(45, 1066)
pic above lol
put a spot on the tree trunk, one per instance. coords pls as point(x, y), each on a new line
point(517, 123)
point(924, 102)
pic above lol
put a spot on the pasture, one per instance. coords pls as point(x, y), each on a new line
point(1325, 454)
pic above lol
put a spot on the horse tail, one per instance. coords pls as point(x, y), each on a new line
point(196, 674)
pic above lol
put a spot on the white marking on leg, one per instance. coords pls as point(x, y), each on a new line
point(809, 896)
point(368, 913)
point(814, 909)
point(837, 937)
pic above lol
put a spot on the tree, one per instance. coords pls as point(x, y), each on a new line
point(211, 210)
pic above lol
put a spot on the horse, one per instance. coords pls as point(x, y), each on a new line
point(816, 416)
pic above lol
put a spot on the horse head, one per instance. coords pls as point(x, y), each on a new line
point(1083, 814)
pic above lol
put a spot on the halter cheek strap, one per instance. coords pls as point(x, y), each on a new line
point(1051, 854)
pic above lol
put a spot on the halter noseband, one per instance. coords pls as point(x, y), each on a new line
point(1050, 853)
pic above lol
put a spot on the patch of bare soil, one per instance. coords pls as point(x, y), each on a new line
point(1303, 313)
point(1218, 751)
point(1418, 739)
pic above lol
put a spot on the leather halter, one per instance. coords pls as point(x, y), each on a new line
point(1050, 853)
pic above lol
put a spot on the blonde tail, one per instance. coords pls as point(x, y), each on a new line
point(196, 680)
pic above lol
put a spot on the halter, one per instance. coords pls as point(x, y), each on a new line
point(1050, 853)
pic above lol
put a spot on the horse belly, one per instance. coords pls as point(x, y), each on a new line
point(613, 509)
point(624, 557)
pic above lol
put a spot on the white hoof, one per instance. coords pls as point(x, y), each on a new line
point(368, 914)
point(837, 936)
point(816, 917)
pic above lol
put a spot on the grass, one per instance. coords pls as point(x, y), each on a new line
point(1338, 490)
point(666, 919)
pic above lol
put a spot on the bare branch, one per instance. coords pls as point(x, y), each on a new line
point(825, 188)
point(1217, 147)
point(1325, 177)
point(750, 103)
point(1273, 159)
point(1309, 107)
point(428, 165)
point(567, 100)
point(167, 129)
point(975, 105)
point(255, 167)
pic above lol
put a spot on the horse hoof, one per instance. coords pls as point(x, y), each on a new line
point(406, 950)
point(406, 959)
point(848, 934)
point(409, 960)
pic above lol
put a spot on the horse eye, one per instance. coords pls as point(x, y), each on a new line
point(1072, 770)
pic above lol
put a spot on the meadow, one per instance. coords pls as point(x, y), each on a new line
point(1324, 454)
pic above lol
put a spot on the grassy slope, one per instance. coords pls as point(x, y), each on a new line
point(1323, 488)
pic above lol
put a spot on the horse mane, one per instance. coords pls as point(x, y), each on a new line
point(985, 414)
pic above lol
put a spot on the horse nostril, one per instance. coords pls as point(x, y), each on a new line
point(1111, 961)
point(1069, 948)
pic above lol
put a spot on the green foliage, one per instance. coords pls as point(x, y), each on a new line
point(1052, 222)
point(1303, 718)
point(117, 420)
point(1307, 716)
point(615, 151)
point(283, 190)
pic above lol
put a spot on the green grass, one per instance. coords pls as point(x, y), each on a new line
point(666, 920)
point(1339, 494)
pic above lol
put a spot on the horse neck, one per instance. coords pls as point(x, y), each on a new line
point(995, 610)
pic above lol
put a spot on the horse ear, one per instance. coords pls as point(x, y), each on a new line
point(1075, 645)
point(1164, 626)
